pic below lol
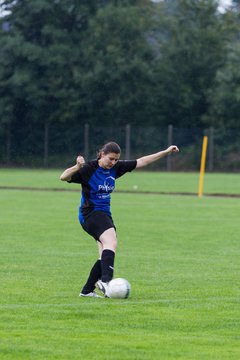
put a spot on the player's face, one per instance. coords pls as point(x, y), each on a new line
point(107, 161)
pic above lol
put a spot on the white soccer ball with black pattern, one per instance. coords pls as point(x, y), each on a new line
point(119, 288)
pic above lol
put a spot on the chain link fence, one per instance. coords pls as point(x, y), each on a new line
point(57, 145)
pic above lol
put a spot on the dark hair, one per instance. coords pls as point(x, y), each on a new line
point(110, 147)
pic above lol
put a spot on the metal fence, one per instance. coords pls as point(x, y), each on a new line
point(58, 144)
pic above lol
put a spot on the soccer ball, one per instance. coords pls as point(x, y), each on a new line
point(119, 288)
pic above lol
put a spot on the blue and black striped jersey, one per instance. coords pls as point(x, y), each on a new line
point(97, 185)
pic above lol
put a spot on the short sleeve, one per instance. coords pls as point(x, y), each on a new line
point(83, 175)
point(124, 166)
point(76, 178)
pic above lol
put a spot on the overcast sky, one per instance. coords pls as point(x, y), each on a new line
point(226, 2)
point(223, 4)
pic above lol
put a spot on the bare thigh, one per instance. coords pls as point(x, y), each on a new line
point(108, 240)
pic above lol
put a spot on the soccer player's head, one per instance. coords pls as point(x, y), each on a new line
point(109, 154)
point(110, 147)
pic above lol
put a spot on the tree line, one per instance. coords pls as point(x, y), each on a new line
point(112, 63)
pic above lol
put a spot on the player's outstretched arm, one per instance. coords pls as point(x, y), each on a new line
point(148, 159)
point(67, 174)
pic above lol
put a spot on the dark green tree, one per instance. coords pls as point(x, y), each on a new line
point(224, 96)
point(71, 61)
point(190, 50)
point(40, 62)
point(109, 63)
point(118, 66)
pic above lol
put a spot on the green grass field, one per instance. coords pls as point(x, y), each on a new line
point(214, 183)
point(180, 254)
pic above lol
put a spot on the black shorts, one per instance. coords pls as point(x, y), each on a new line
point(97, 223)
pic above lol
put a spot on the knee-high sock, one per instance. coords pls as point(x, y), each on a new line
point(94, 276)
point(107, 261)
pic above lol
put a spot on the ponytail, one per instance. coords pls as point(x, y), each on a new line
point(110, 147)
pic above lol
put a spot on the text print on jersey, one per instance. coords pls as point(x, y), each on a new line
point(108, 185)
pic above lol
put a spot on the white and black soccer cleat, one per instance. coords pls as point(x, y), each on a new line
point(91, 294)
point(103, 287)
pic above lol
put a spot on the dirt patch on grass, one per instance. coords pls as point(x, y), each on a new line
point(23, 188)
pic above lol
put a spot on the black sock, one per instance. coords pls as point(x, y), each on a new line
point(94, 276)
point(107, 265)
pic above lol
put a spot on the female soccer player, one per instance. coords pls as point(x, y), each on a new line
point(97, 178)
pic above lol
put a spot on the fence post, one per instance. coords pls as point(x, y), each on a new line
point(170, 141)
point(9, 144)
point(211, 149)
point(86, 141)
point(46, 143)
point(128, 142)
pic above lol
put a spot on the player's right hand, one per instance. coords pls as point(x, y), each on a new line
point(80, 161)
